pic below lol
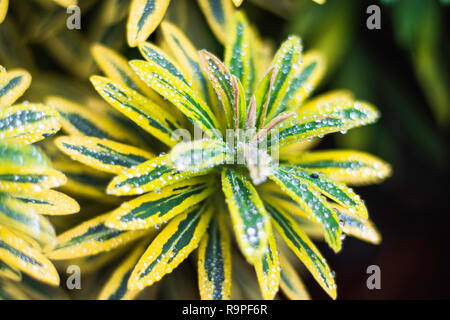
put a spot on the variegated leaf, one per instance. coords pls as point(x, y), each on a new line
point(158, 207)
point(302, 246)
point(181, 95)
point(18, 253)
point(346, 166)
point(14, 84)
point(311, 202)
point(199, 155)
point(268, 270)
point(48, 202)
point(18, 216)
point(116, 287)
point(148, 176)
point(329, 98)
point(139, 109)
point(228, 88)
point(189, 61)
point(28, 122)
point(116, 67)
point(28, 179)
point(102, 154)
point(13, 154)
point(250, 220)
point(172, 245)
point(214, 261)
point(328, 119)
point(9, 272)
point(144, 17)
point(90, 238)
point(291, 283)
point(79, 121)
point(239, 52)
point(218, 14)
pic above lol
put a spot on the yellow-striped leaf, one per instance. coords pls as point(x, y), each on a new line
point(214, 261)
point(172, 245)
point(116, 287)
point(346, 166)
point(18, 216)
point(356, 226)
point(9, 272)
point(239, 55)
point(79, 121)
point(90, 238)
point(158, 207)
point(188, 59)
point(181, 95)
point(28, 122)
point(329, 98)
point(102, 154)
point(144, 17)
point(21, 255)
point(14, 84)
point(116, 67)
point(228, 88)
point(48, 202)
point(328, 119)
point(139, 109)
point(311, 202)
point(27, 179)
point(291, 284)
point(218, 14)
point(13, 154)
point(153, 54)
point(199, 155)
point(148, 176)
point(306, 251)
point(250, 220)
point(268, 270)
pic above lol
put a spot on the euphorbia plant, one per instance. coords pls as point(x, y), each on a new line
point(258, 184)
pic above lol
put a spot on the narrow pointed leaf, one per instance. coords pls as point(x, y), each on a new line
point(116, 287)
point(102, 154)
point(329, 119)
point(14, 154)
point(239, 55)
point(262, 95)
point(170, 247)
point(268, 270)
point(158, 207)
point(18, 216)
point(329, 98)
point(90, 238)
point(291, 284)
point(18, 253)
point(218, 14)
point(27, 179)
point(79, 121)
point(188, 59)
point(250, 220)
point(116, 67)
point(199, 155)
point(214, 261)
point(346, 166)
point(144, 17)
point(305, 250)
point(311, 202)
point(181, 95)
point(48, 202)
point(14, 84)
point(146, 114)
point(28, 122)
point(148, 176)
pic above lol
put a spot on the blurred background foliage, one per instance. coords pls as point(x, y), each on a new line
point(403, 69)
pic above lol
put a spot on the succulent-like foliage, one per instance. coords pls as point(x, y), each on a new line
point(26, 179)
point(264, 185)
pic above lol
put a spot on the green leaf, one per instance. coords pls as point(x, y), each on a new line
point(310, 201)
point(250, 220)
point(305, 250)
